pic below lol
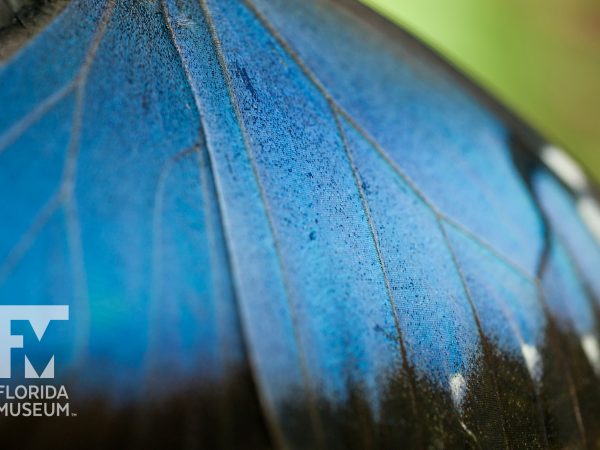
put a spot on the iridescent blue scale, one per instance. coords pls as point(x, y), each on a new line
point(292, 213)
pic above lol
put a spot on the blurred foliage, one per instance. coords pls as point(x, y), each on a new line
point(540, 57)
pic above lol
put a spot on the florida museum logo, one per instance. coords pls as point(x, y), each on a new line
point(37, 396)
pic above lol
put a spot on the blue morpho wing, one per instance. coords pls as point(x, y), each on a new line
point(287, 216)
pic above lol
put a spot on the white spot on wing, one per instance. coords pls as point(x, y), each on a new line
point(458, 389)
point(592, 351)
point(564, 167)
point(590, 213)
point(533, 361)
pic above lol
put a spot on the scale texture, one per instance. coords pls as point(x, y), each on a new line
point(277, 223)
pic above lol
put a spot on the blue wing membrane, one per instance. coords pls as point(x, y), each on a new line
point(108, 196)
point(216, 186)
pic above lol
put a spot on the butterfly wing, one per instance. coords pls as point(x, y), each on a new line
point(212, 186)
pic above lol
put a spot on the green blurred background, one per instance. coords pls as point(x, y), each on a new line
point(540, 57)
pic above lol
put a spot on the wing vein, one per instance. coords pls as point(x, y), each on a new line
point(67, 188)
point(157, 250)
point(380, 259)
point(15, 131)
point(268, 414)
point(25, 242)
point(313, 412)
point(314, 79)
point(217, 45)
point(484, 345)
point(64, 193)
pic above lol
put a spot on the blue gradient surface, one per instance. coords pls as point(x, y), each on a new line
point(216, 184)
